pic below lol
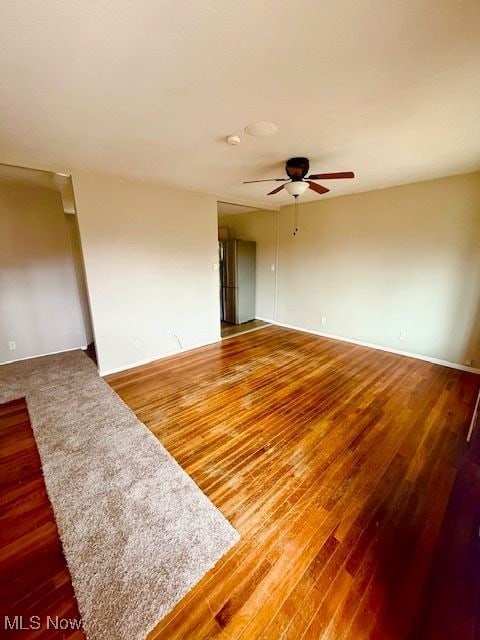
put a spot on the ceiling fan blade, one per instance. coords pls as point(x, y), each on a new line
point(282, 186)
point(267, 180)
point(332, 176)
point(317, 187)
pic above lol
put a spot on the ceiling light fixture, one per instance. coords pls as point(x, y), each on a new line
point(262, 128)
point(296, 188)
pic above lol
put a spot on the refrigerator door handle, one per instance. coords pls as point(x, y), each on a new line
point(222, 304)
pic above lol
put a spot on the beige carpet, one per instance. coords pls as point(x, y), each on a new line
point(137, 532)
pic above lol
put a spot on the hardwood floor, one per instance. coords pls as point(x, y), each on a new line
point(34, 580)
point(229, 330)
point(335, 462)
point(450, 603)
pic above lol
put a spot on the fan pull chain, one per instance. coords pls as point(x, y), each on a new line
point(295, 217)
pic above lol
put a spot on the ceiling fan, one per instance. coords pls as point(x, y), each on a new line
point(297, 183)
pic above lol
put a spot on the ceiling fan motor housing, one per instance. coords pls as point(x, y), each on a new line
point(297, 168)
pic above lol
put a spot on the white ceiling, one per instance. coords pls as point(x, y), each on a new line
point(147, 88)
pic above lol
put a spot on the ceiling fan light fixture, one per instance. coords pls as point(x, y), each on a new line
point(296, 188)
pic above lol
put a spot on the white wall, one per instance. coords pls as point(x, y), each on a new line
point(377, 263)
point(40, 302)
point(149, 253)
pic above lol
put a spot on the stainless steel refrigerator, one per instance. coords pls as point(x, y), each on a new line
point(237, 281)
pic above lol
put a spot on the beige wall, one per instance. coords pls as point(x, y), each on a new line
point(259, 226)
point(40, 302)
point(378, 263)
point(149, 253)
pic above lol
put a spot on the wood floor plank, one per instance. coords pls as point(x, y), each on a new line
point(34, 579)
point(339, 465)
point(278, 424)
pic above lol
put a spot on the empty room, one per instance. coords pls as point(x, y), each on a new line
point(239, 320)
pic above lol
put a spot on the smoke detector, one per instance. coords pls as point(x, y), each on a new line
point(233, 140)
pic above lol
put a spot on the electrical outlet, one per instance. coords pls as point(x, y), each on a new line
point(215, 266)
point(468, 363)
point(136, 344)
point(272, 267)
point(12, 345)
point(402, 335)
point(324, 319)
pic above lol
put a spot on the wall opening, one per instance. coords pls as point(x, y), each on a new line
point(44, 304)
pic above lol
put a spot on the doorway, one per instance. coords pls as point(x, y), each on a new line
point(45, 306)
point(237, 274)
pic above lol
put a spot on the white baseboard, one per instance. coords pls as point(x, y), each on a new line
point(41, 355)
point(269, 320)
point(140, 363)
point(408, 354)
